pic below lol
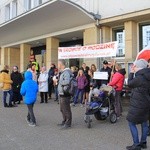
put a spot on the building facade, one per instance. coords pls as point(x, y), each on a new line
point(41, 26)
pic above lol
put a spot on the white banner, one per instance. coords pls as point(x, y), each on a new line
point(101, 75)
point(89, 51)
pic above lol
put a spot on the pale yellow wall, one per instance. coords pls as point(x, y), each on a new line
point(4, 56)
point(52, 45)
point(130, 42)
point(13, 57)
point(24, 56)
point(0, 55)
point(106, 34)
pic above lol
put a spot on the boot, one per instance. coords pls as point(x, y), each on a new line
point(143, 145)
point(134, 147)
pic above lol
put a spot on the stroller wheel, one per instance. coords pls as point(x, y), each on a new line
point(113, 117)
point(88, 121)
point(89, 125)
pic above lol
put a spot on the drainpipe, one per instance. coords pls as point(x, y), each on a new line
point(97, 18)
point(101, 41)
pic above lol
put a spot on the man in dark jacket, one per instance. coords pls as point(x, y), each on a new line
point(106, 69)
point(139, 103)
point(64, 81)
point(50, 80)
point(17, 79)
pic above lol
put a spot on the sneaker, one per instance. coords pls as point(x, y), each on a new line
point(73, 104)
point(6, 105)
point(19, 102)
point(143, 145)
point(31, 124)
point(61, 124)
point(81, 105)
point(65, 127)
point(134, 147)
point(27, 120)
point(11, 105)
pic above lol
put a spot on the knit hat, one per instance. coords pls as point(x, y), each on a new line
point(141, 63)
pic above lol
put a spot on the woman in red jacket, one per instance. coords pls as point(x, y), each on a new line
point(117, 83)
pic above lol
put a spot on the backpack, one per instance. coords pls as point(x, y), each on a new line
point(71, 87)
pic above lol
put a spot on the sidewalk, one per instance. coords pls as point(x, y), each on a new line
point(15, 134)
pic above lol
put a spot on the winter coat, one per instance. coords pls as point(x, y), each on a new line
point(50, 75)
point(17, 79)
point(118, 80)
point(43, 82)
point(5, 79)
point(64, 81)
point(82, 82)
point(29, 89)
point(108, 70)
point(140, 96)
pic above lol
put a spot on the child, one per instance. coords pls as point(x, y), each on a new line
point(29, 89)
point(55, 83)
point(81, 84)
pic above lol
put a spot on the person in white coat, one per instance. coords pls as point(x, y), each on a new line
point(43, 84)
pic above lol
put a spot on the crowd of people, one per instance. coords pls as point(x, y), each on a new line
point(58, 80)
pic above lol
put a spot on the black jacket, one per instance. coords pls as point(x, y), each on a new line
point(50, 75)
point(109, 75)
point(140, 96)
point(17, 79)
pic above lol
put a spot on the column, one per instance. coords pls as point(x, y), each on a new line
point(24, 56)
point(91, 36)
point(0, 55)
point(13, 57)
point(52, 45)
point(106, 34)
point(4, 56)
point(130, 42)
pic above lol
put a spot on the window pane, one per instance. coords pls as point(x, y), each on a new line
point(145, 35)
point(119, 36)
point(14, 8)
point(40, 2)
point(37, 2)
point(7, 12)
point(27, 4)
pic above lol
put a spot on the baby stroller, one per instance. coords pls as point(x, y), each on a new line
point(101, 106)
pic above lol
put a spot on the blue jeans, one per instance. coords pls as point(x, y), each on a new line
point(134, 132)
point(56, 92)
point(5, 96)
point(77, 95)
